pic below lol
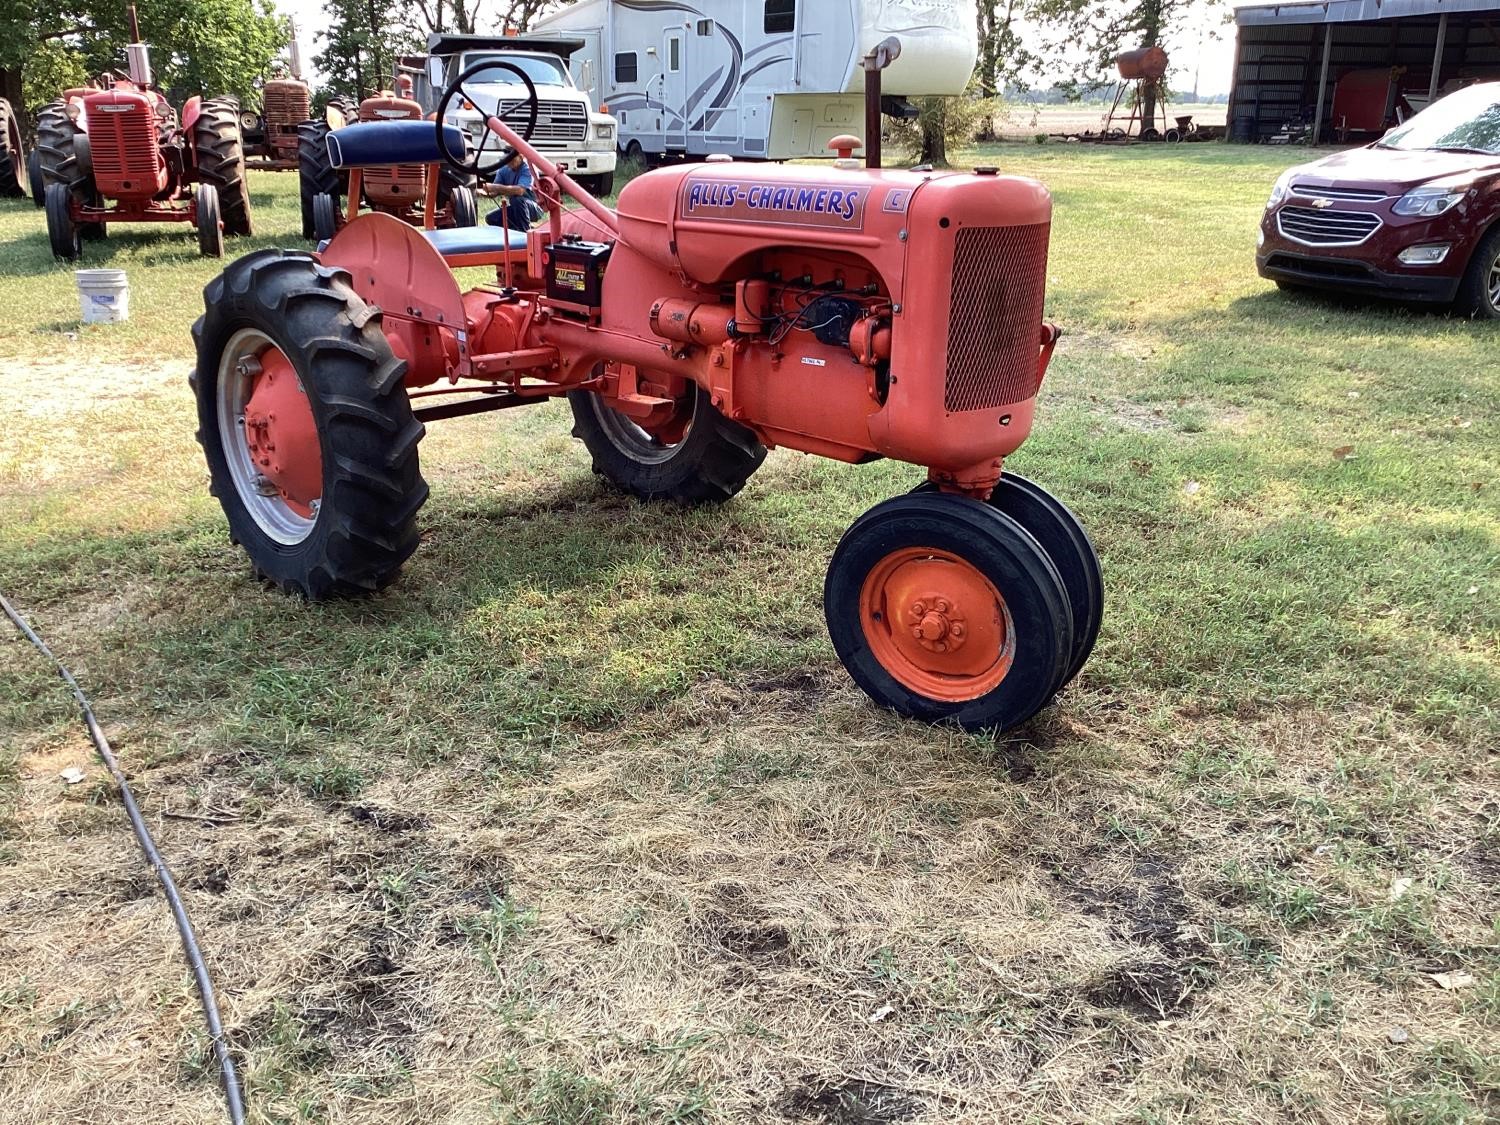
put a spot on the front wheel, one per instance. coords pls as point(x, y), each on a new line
point(210, 223)
point(62, 232)
point(598, 186)
point(304, 421)
point(325, 218)
point(697, 456)
point(1479, 291)
point(946, 610)
point(464, 207)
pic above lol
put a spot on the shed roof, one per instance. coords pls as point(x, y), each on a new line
point(1354, 11)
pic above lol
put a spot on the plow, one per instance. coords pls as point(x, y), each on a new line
point(719, 311)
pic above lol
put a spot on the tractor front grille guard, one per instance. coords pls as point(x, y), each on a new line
point(999, 286)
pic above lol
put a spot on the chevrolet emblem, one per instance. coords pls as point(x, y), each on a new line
point(1322, 204)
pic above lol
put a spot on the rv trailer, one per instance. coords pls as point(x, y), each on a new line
point(758, 79)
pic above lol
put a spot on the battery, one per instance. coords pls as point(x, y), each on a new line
point(575, 271)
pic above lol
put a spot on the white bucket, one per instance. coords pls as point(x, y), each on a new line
point(104, 295)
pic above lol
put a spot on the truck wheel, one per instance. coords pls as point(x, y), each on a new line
point(34, 176)
point(15, 180)
point(1066, 542)
point(316, 175)
point(598, 186)
point(62, 231)
point(220, 155)
point(465, 208)
point(210, 221)
point(946, 610)
point(304, 421)
point(1479, 291)
point(709, 463)
point(325, 218)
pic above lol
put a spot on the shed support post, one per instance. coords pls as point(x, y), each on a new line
point(1437, 57)
point(1317, 133)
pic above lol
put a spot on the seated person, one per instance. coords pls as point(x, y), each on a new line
point(513, 185)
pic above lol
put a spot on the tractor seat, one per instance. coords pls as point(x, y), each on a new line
point(483, 245)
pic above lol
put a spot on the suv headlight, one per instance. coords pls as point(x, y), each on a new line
point(1280, 188)
point(1428, 201)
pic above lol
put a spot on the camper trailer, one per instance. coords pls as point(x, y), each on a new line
point(759, 79)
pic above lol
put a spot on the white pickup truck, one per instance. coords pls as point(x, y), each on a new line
point(568, 130)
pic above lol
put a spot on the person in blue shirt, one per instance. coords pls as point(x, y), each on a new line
point(513, 185)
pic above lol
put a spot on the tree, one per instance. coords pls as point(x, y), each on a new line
point(1002, 59)
point(941, 122)
point(361, 44)
point(1104, 30)
point(198, 46)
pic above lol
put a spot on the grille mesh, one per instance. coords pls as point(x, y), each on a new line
point(995, 316)
point(1326, 227)
point(287, 103)
point(122, 143)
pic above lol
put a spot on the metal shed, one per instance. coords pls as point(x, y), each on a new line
point(1300, 62)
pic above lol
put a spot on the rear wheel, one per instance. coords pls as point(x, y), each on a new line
point(15, 179)
point(303, 417)
point(1479, 291)
point(57, 155)
point(210, 221)
point(697, 456)
point(62, 231)
point(315, 172)
point(220, 154)
point(946, 610)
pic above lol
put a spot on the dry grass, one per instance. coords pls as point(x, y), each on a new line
point(582, 822)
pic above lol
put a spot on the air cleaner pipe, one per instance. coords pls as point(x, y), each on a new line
point(887, 52)
point(230, 1078)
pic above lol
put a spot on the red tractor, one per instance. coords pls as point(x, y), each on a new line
point(15, 171)
point(120, 155)
point(397, 190)
point(723, 309)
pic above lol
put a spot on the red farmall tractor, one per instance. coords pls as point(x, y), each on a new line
point(723, 309)
point(270, 136)
point(399, 190)
point(120, 155)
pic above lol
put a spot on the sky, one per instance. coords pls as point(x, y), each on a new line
point(1203, 48)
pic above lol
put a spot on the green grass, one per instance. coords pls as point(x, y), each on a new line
point(581, 821)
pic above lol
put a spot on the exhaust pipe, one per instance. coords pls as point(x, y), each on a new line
point(137, 54)
point(877, 60)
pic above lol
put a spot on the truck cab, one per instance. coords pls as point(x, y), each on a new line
point(568, 128)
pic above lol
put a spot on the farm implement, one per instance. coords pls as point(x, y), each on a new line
point(721, 310)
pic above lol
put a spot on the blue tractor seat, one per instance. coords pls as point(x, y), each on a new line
point(380, 143)
point(482, 239)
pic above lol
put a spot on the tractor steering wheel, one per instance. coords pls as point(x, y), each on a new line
point(470, 167)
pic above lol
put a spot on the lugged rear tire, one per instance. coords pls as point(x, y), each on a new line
point(364, 526)
point(15, 181)
point(709, 465)
point(220, 154)
point(58, 159)
point(316, 174)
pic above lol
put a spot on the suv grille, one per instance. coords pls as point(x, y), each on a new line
point(1314, 227)
point(1360, 195)
point(995, 316)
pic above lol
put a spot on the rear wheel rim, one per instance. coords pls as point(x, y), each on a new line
point(269, 437)
point(1492, 285)
point(639, 444)
point(937, 624)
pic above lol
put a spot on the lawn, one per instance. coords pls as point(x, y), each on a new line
point(582, 821)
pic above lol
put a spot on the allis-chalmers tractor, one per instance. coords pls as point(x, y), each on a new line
point(120, 155)
point(721, 310)
point(399, 190)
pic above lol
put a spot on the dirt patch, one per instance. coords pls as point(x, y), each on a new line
point(849, 1101)
point(387, 820)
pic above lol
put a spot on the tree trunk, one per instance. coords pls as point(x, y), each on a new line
point(1151, 21)
point(934, 136)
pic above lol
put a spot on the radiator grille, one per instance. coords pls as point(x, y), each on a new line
point(287, 103)
point(122, 144)
point(995, 316)
point(1316, 227)
point(557, 122)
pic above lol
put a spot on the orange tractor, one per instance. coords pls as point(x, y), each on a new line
point(399, 190)
point(121, 155)
point(722, 310)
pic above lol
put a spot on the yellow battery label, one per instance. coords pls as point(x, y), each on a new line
point(570, 278)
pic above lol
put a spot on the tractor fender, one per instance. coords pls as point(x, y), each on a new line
point(190, 111)
point(394, 268)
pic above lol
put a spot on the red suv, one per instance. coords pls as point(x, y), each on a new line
point(1416, 215)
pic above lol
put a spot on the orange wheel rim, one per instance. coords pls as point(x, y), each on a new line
point(936, 624)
